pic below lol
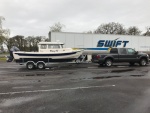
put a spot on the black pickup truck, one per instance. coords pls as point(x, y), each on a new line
point(121, 55)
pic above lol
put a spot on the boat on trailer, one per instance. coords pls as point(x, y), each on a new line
point(47, 52)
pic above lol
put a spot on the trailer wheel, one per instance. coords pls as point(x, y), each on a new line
point(30, 65)
point(40, 65)
point(143, 62)
point(108, 62)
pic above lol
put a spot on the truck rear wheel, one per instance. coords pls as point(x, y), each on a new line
point(30, 65)
point(143, 62)
point(108, 62)
point(40, 65)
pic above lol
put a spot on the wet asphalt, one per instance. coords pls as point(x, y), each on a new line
point(75, 88)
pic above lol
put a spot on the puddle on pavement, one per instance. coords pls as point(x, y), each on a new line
point(104, 77)
point(136, 75)
point(40, 74)
point(35, 75)
point(93, 78)
point(102, 72)
point(113, 71)
point(30, 75)
point(71, 73)
point(122, 66)
point(120, 71)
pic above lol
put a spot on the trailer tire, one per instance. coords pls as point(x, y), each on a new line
point(30, 65)
point(41, 65)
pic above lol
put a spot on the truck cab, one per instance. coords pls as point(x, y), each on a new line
point(121, 55)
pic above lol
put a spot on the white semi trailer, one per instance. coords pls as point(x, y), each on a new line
point(101, 42)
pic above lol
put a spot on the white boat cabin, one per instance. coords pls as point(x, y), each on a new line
point(52, 47)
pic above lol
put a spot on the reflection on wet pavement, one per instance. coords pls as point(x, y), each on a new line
point(104, 77)
point(17, 101)
point(136, 75)
point(123, 70)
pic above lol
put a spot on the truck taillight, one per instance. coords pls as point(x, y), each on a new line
point(97, 56)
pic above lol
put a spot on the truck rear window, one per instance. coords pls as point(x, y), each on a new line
point(114, 50)
point(43, 46)
point(123, 51)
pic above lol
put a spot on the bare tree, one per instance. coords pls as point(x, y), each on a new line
point(133, 30)
point(57, 27)
point(1, 20)
point(10, 42)
point(147, 33)
point(32, 42)
point(29, 43)
point(4, 33)
point(110, 28)
point(2, 38)
point(88, 32)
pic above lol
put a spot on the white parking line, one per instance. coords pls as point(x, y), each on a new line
point(3, 82)
point(92, 67)
point(44, 86)
point(52, 90)
point(22, 87)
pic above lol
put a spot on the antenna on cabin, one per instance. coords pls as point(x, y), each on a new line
point(116, 39)
point(112, 44)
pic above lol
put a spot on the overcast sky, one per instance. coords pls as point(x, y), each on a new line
point(33, 17)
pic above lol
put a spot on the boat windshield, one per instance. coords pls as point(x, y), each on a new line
point(61, 45)
point(53, 46)
point(43, 46)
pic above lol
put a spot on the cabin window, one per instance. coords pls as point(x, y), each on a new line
point(123, 51)
point(53, 46)
point(61, 45)
point(114, 51)
point(43, 46)
point(131, 51)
